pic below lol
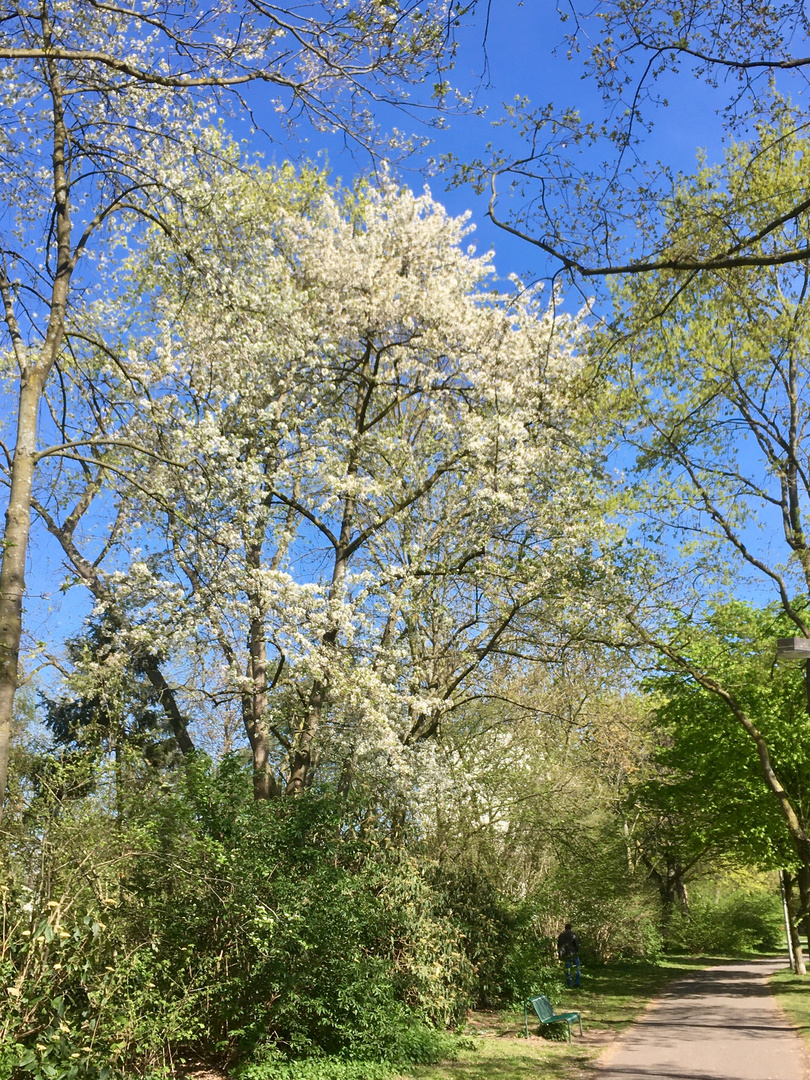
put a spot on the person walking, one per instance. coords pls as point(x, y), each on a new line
point(568, 952)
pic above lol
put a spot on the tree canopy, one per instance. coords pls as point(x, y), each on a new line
point(357, 476)
point(424, 612)
point(587, 186)
point(117, 100)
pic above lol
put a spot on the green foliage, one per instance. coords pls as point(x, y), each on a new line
point(723, 922)
point(316, 1069)
point(10, 1055)
point(202, 922)
point(503, 939)
point(418, 1044)
point(56, 959)
point(613, 909)
point(708, 773)
point(120, 709)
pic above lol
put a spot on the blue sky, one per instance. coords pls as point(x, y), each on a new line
point(521, 61)
point(525, 55)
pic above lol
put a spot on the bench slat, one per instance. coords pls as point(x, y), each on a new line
point(546, 1015)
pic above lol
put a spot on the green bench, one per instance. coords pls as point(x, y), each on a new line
point(546, 1015)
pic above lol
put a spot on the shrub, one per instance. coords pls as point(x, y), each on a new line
point(615, 913)
point(201, 922)
point(728, 922)
point(328, 1068)
point(503, 939)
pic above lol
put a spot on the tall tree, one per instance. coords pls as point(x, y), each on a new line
point(713, 387)
point(111, 97)
point(705, 798)
point(366, 471)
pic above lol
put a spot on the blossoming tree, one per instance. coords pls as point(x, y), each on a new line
point(99, 105)
point(365, 470)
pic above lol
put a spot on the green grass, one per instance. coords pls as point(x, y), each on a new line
point(793, 994)
point(509, 1059)
point(610, 998)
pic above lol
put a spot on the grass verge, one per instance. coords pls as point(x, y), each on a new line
point(793, 994)
point(610, 998)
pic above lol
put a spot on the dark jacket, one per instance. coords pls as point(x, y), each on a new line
point(567, 944)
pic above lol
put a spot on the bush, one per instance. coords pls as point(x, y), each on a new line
point(203, 923)
point(503, 939)
point(418, 1044)
point(615, 913)
point(728, 922)
point(329, 1068)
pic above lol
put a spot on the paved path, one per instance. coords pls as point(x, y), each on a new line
point(719, 1024)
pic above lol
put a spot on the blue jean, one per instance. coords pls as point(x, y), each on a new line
point(572, 967)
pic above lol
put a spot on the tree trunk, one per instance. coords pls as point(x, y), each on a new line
point(12, 570)
point(304, 740)
point(676, 887)
point(793, 930)
point(33, 377)
point(168, 701)
point(265, 785)
point(305, 736)
point(255, 703)
point(803, 883)
point(671, 889)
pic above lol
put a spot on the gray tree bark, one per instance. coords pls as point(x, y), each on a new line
point(33, 377)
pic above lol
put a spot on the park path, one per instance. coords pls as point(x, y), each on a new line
point(719, 1024)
